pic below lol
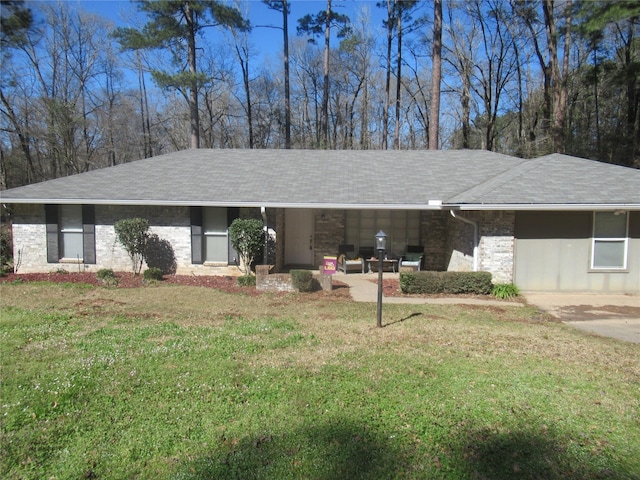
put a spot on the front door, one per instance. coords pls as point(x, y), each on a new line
point(298, 237)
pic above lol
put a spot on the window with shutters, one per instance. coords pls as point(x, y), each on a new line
point(610, 240)
point(71, 245)
point(70, 233)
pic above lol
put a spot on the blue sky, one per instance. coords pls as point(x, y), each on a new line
point(266, 41)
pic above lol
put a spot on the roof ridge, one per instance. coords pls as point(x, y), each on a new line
point(524, 165)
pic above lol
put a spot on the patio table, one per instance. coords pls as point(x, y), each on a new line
point(386, 264)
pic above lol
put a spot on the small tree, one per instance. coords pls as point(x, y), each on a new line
point(132, 233)
point(247, 237)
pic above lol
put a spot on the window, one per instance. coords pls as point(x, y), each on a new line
point(401, 226)
point(209, 234)
point(70, 233)
point(610, 239)
point(215, 235)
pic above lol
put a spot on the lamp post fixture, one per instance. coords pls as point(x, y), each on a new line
point(381, 246)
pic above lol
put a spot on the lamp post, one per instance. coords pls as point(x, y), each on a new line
point(381, 246)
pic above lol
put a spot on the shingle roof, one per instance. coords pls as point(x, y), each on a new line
point(343, 178)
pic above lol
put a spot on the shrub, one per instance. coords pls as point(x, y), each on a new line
point(247, 237)
point(247, 281)
point(505, 290)
point(106, 276)
point(6, 250)
point(302, 280)
point(478, 283)
point(105, 273)
point(132, 233)
point(159, 253)
point(152, 273)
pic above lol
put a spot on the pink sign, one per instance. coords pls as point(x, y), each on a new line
point(330, 265)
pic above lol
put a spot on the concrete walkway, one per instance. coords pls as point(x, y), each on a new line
point(616, 316)
point(364, 288)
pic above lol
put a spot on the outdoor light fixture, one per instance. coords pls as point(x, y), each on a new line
point(381, 246)
point(381, 241)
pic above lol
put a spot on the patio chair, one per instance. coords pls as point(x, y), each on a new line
point(348, 260)
point(413, 257)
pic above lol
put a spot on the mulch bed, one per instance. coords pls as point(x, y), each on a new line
point(225, 283)
point(125, 279)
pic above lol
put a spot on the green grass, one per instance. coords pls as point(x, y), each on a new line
point(189, 383)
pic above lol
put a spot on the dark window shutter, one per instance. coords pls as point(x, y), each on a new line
point(51, 219)
point(232, 214)
point(196, 236)
point(88, 234)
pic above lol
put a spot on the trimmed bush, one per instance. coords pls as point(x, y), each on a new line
point(132, 233)
point(105, 273)
point(247, 281)
point(108, 277)
point(302, 280)
point(153, 273)
point(478, 283)
point(247, 237)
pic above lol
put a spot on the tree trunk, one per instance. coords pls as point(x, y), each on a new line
point(387, 85)
point(436, 76)
point(396, 136)
point(324, 120)
point(193, 87)
point(553, 96)
point(287, 91)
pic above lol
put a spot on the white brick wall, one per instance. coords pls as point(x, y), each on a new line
point(171, 224)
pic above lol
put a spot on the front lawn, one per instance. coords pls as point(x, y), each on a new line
point(194, 383)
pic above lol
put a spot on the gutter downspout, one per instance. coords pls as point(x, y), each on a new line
point(475, 237)
point(265, 255)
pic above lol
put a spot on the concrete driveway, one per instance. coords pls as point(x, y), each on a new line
point(616, 316)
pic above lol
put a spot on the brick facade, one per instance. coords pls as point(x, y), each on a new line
point(448, 241)
point(433, 232)
point(328, 233)
point(170, 224)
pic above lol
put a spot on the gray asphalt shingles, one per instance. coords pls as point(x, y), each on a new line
point(342, 177)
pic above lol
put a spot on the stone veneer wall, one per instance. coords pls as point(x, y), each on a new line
point(281, 282)
point(497, 244)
